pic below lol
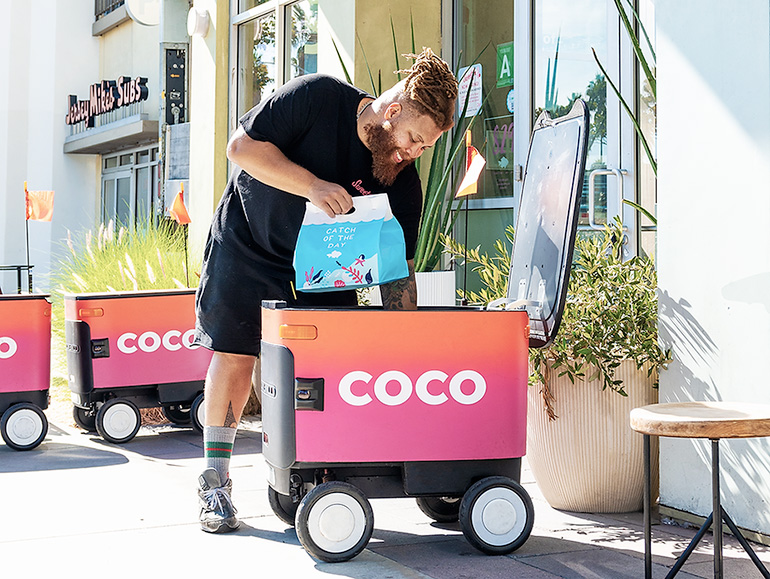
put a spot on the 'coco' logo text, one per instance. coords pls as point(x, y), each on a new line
point(172, 341)
point(426, 392)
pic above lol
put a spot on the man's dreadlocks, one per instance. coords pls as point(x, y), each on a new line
point(431, 88)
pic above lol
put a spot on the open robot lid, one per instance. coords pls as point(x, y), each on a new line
point(547, 221)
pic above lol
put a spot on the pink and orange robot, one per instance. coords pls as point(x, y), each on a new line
point(364, 403)
point(25, 368)
point(132, 350)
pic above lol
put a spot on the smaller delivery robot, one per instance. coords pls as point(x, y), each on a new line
point(132, 350)
point(25, 368)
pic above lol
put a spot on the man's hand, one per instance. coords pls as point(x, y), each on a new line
point(329, 197)
point(402, 293)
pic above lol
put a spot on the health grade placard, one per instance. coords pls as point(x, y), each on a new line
point(360, 249)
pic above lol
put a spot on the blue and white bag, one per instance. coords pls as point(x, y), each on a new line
point(361, 249)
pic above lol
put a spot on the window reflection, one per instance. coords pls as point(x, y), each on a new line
point(647, 120)
point(244, 5)
point(565, 70)
point(256, 62)
point(486, 39)
point(304, 38)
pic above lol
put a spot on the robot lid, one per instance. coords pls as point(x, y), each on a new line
point(547, 221)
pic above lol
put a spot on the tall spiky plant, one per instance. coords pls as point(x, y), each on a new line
point(648, 65)
point(438, 217)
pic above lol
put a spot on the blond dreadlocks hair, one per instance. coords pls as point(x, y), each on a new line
point(431, 88)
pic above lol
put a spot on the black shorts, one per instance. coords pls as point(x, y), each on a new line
point(229, 297)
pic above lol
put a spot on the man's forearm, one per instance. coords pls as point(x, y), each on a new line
point(402, 293)
point(267, 163)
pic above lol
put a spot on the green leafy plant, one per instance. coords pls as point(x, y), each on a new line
point(610, 314)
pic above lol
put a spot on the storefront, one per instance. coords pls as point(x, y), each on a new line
point(113, 121)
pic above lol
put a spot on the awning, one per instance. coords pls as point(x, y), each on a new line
point(133, 131)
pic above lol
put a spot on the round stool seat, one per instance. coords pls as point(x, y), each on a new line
point(703, 420)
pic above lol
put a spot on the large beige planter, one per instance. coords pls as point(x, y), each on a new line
point(589, 459)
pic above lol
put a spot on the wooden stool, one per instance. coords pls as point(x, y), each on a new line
point(712, 420)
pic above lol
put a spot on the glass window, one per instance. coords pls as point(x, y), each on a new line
point(130, 193)
point(489, 23)
point(143, 199)
point(123, 199)
point(110, 162)
point(648, 121)
point(108, 199)
point(304, 38)
point(244, 5)
point(256, 61)
point(565, 70)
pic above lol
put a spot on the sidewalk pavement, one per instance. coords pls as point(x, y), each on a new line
point(78, 506)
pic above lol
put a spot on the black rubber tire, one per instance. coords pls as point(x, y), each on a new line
point(196, 411)
point(328, 502)
point(177, 414)
point(282, 506)
point(84, 419)
point(106, 428)
point(31, 415)
point(506, 496)
point(440, 509)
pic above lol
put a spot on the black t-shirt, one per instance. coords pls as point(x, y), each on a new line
point(312, 120)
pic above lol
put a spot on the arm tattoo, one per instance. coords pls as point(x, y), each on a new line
point(400, 294)
point(230, 421)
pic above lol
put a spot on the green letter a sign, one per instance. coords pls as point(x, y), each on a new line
point(505, 64)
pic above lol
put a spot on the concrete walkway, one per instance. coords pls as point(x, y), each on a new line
point(78, 506)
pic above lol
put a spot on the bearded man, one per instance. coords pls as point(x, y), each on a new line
point(320, 140)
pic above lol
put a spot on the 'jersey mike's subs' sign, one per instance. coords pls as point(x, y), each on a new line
point(104, 97)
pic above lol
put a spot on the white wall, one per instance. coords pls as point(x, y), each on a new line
point(714, 238)
point(203, 194)
point(132, 50)
point(47, 52)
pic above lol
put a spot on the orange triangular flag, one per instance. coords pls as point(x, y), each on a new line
point(474, 163)
point(179, 211)
point(39, 204)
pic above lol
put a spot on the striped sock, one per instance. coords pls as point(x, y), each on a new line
point(218, 448)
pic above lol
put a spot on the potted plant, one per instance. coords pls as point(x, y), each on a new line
point(603, 362)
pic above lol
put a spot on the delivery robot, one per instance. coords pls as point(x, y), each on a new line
point(25, 368)
point(362, 403)
point(132, 350)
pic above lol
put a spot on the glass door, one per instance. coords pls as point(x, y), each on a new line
point(485, 59)
point(570, 36)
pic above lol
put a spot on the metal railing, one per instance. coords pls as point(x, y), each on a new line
point(103, 7)
point(19, 282)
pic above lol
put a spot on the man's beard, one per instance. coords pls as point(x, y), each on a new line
point(383, 146)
